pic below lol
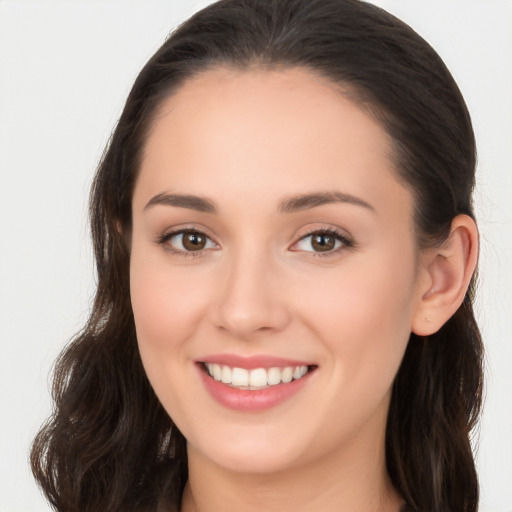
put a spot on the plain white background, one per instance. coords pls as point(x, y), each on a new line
point(65, 70)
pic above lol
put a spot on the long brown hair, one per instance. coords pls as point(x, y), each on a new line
point(109, 445)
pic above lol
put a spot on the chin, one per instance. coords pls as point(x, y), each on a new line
point(250, 452)
point(257, 462)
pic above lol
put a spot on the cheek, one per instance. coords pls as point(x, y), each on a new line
point(363, 313)
point(167, 308)
point(165, 302)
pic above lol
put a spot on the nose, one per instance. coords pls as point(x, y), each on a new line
point(252, 299)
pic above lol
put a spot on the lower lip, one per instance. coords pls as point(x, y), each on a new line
point(252, 400)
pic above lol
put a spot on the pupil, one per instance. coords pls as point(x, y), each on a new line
point(323, 243)
point(193, 241)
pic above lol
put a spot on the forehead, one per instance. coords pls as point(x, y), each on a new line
point(264, 131)
point(263, 101)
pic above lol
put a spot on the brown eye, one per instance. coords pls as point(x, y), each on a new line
point(193, 241)
point(322, 242)
point(188, 241)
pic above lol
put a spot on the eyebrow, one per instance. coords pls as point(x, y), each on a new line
point(307, 201)
point(192, 202)
point(290, 205)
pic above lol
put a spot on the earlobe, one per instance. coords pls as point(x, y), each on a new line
point(447, 273)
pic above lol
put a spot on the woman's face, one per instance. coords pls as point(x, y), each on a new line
point(271, 238)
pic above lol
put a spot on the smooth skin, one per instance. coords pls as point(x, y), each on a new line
point(260, 275)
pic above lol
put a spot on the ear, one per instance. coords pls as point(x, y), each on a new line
point(446, 272)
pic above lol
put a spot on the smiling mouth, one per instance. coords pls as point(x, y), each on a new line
point(257, 378)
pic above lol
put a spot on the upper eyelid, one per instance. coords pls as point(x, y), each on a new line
point(165, 238)
point(170, 232)
point(340, 233)
point(322, 230)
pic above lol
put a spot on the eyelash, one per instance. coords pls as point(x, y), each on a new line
point(164, 239)
point(346, 243)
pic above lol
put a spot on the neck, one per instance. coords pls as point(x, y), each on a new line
point(341, 482)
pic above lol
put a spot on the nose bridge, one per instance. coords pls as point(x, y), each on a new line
point(251, 301)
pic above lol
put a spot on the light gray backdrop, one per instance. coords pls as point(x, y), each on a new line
point(65, 69)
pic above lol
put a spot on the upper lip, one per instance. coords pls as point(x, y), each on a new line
point(252, 362)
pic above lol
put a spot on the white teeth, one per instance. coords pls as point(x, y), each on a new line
point(239, 377)
point(257, 378)
point(273, 376)
point(217, 372)
point(287, 374)
point(300, 371)
point(226, 375)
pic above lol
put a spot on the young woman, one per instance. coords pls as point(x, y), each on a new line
point(285, 246)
